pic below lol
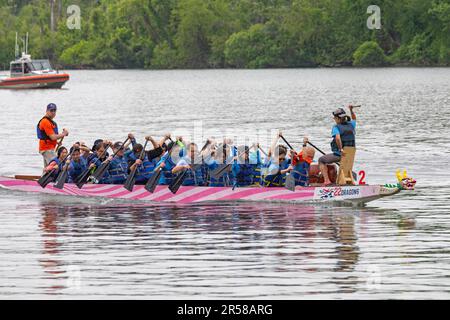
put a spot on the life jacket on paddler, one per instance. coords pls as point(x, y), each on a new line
point(244, 174)
point(144, 171)
point(97, 158)
point(228, 178)
point(118, 170)
point(76, 168)
point(195, 175)
point(301, 164)
point(272, 177)
point(347, 134)
point(166, 172)
point(56, 165)
point(248, 173)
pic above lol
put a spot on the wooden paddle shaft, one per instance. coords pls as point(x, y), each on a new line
point(59, 143)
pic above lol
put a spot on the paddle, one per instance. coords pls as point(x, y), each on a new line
point(207, 143)
point(59, 144)
point(290, 179)
point(84, 176)
point(131, 179)
point(62, 177)
point(179, 179)
point(151, 184)
point(219, 172)
point(265, 153)
point(355, 176)
point(47, 177)
point(100, 172)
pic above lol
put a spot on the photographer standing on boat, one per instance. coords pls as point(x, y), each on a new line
point(47, 133)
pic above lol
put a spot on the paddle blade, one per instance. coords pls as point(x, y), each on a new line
point(82, 178)
point(177, 182)
point(45, 179)
point(100, 172)
point(290, 182)
point(151, 184)
point(219, 172)
point(131, 180)
point(61, 180)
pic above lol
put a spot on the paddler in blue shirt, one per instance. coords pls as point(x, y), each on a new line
point(99, 155)
point(145, 167)
point(77, 164)
point(56, 164)
point(246, 169)
point(300, 164)
point(169, 160)
point(192, 162)
point(118, 168)
point(216, 158)
point(274, 170)
point(343, 134)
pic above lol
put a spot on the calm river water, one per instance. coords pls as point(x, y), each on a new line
point(57, 247)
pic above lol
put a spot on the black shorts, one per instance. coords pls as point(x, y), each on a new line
point(329, 158)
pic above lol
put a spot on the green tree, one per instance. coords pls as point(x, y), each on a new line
point(256, 47)
point(192, 37)
point(164, 57)
point(228, 33)
point(369, 54)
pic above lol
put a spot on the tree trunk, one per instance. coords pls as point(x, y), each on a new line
point(52, 17)
point(60, 7)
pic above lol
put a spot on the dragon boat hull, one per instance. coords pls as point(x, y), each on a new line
point(356, 195)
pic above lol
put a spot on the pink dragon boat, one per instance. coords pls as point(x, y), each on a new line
point(351, 194)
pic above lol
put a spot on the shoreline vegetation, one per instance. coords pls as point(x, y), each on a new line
point(228, 34)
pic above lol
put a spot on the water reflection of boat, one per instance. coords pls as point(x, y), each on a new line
point(26, 73)
point(309, 247)
point(355, 195)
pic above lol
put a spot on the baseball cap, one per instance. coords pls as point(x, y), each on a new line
point(117, 145)
point(96, 144)
point(51, 107)
point(339, 112)
point(73, 149)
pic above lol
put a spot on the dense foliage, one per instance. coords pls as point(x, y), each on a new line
point(229, 33)
point(369, 54)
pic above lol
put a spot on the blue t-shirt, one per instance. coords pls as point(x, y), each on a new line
point(335, 130)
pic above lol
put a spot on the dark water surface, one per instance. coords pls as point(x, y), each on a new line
point(59, 247)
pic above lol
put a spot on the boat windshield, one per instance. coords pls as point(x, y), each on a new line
point(39, 65)
point(16, 68)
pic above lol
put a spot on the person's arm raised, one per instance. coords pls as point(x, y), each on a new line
point(164, 139)
point(274, 145)
point(352, 113)
point(154, 143)
point(130, 141)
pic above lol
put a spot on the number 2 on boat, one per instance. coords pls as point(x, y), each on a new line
point(362, 177)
